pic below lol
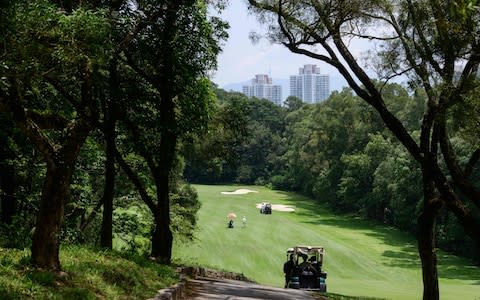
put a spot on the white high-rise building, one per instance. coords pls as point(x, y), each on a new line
point(309, 85)
point(263, 88)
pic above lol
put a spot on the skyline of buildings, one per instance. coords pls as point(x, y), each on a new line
point(309, 85)
point(262, 87)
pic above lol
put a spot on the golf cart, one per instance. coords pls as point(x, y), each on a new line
point(266, 208)
point(305, 272)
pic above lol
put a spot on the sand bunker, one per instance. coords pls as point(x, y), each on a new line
point(279, 207)
point(239, 192)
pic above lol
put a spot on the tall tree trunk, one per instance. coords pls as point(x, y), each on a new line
point(46, 243)
point(108, 193)
point(426, 237)
point(60, 167)
point(428, 256)
point(162, 239)
point(109, 133)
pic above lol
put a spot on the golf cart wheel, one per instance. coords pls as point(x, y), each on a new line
point(294, 283)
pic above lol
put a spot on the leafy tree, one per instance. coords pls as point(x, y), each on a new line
point(425, 40)
point(397, 187)
point(170, 100)
point(50, 72)
point(293, 103)
point(318, 135)
point(214, 156)
point(258, 153)
point(185, 204)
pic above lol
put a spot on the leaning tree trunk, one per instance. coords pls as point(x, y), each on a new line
point(46, 238)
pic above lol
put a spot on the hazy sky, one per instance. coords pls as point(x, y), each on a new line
point(241, 60)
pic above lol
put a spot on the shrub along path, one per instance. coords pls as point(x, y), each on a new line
point(362, 258)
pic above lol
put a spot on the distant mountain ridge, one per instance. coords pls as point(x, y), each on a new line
point(336, 84)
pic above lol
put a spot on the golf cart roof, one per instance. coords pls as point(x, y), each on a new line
point(306, 250)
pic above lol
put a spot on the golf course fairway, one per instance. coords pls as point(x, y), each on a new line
point(363, 259)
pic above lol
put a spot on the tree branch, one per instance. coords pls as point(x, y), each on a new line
point(25, 124)
point(458, 176)
point(92, 215)
point(59, 87)
point(421, 71)
point(466, 219)
point(474, 159)
point(130, 62)
point(395, 74)
point(135, 180)
point(425, 45)
point(47, 121)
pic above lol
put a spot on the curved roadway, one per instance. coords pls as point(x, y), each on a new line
point(203, 289)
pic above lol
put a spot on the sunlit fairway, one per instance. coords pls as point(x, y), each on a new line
point(362, 258)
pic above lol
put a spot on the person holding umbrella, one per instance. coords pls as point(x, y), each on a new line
point(230, 218)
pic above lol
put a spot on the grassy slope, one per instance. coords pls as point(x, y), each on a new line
point(90, 274)
point(362, 258)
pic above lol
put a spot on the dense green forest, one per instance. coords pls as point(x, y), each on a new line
point(107, 113)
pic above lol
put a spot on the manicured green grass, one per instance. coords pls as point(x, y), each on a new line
point(362, 259)
point(89, 274)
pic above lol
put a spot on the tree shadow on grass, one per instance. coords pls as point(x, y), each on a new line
point(449, 266)
point(114, 275)
point(406, 258)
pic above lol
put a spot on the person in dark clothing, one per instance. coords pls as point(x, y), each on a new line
point(305, 264)
point(288, 268)
point(314, 264)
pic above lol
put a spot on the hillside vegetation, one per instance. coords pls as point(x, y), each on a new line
point(362, 258)
point(88, 274)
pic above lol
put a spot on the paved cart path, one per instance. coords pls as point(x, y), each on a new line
point(203, 289)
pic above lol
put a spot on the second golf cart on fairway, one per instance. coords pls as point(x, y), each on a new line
point(306, 270)
point(266, 208)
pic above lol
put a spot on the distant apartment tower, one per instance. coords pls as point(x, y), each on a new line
point(263, 88)
point(309, 85)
